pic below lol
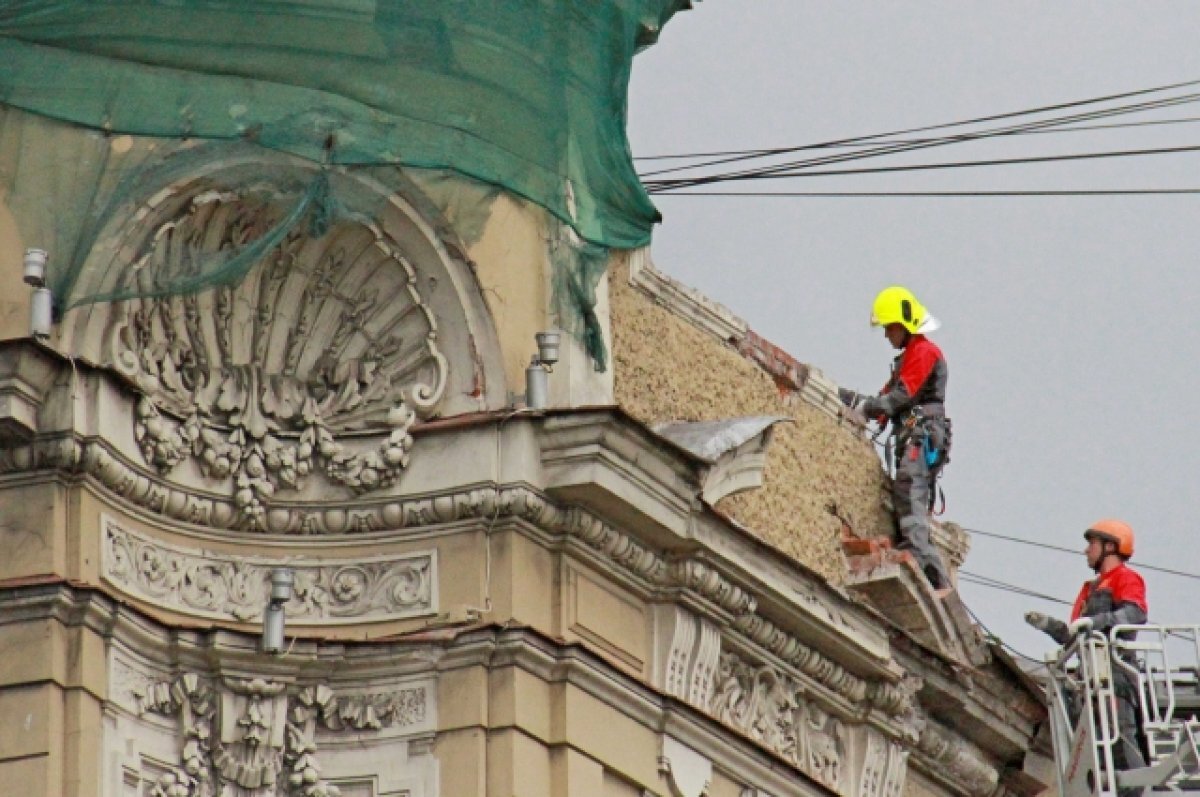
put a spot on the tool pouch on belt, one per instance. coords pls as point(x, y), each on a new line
point(938, 436)
point(930, 435)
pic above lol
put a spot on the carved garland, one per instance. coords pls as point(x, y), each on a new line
point(771, 708)
point(252, 736)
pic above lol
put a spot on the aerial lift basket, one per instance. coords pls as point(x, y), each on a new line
point(1163, 665)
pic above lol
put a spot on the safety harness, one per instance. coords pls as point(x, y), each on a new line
point(925, 431)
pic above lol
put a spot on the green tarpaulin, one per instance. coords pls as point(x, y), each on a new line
point(529, 95)
point(526, 94)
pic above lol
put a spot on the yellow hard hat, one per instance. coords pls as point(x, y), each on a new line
point(897, 305)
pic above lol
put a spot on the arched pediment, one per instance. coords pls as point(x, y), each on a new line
point(301, 378)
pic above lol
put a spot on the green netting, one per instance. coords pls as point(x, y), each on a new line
point(577, 269)
point(529, 95)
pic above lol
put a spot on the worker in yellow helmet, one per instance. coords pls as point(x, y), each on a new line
point(914, 402)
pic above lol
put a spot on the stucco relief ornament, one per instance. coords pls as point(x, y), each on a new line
point(265, 384)
point(769, 707)
point(250, 738)
point(216, 586)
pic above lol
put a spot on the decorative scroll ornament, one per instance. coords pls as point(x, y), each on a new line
point(260, 383)
point(250, 738)
point(769, 708)
point(222, 587)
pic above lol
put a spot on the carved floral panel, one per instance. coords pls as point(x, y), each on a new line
point(209, 585)
point(771, 708)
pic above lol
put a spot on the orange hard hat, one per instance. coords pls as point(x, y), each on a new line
point(1115, 531)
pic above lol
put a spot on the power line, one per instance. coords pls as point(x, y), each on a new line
point(992, 583)
point(891, 147)
point(997, 639)
point(1114, 126)
point(995, 583)
point(941, 194)
point(1120, 153)
point(833, 145)
point(1025, 128)
point(659, 187)
point(1140, 564)
point(967, 122)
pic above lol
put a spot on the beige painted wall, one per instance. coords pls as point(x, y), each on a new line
point(667, 369)
point(510, 263)
point(50, 715)
point(14, 294)
point(541, 740)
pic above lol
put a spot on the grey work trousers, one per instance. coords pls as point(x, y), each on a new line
point(912, 498)
point(1127, 752)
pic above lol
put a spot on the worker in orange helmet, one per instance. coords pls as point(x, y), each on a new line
point(1116, 596)
point(913, 401)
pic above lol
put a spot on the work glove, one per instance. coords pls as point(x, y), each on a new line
point(849, 397)
point(1055, 628)
point(1038, 620)
point(1080, 626)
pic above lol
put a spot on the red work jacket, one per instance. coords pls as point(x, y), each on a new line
point(1122, 583)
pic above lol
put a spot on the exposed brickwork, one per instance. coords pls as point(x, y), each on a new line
point(870, 555)
point(857, 546)
point(788, 372)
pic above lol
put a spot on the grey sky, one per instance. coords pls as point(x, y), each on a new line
point(1069, 323)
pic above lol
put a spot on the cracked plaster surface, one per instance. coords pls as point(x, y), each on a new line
point(668, 369)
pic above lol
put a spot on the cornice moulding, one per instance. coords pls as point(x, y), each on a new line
point(940, 753)
point(688, 303)
point(820, 612)
point(608, 465)
point(623, 549)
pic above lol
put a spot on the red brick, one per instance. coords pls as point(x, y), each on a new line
point(788, 372)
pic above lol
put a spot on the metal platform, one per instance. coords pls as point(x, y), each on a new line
point(1162, 663)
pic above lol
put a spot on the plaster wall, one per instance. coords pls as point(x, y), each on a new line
point(667, 369)
point(547, 740)
point(33, 530)
point(504, 239)
point(52, 682)
point(14, 296)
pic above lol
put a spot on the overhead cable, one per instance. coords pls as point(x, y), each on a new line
point(935, 194)
point(877, 137)
point(836, 145)
point(1140, 564)
point(669, 185)
point(995, 583)
point(889, 148)
point(996, 638)
point(971, 164)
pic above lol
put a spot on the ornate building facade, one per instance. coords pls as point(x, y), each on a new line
point(661, 583)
